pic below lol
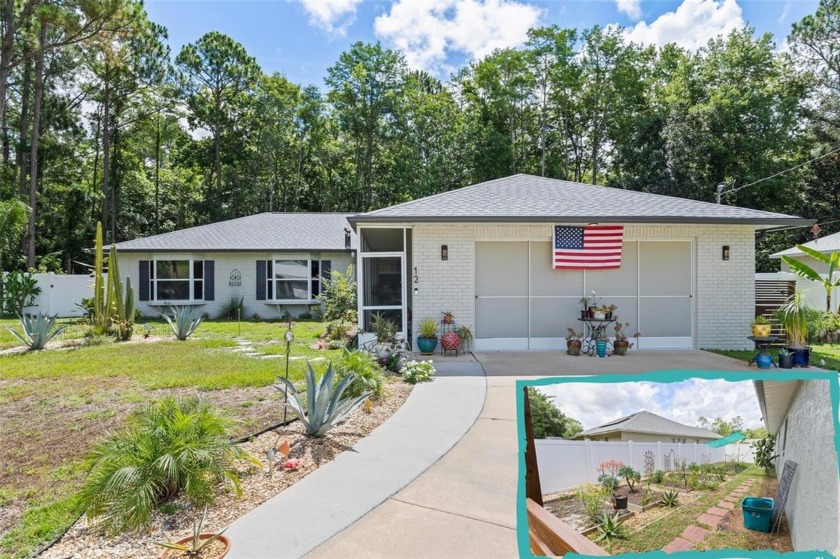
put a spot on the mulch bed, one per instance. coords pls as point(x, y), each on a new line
point(638, 496)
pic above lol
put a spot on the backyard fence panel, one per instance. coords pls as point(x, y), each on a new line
point(61, 293)
point(566, 464)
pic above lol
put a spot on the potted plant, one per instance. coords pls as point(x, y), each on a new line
point(761, 327)
point(573, 341)
point(785, 359)
point(600, 313)
point(386, 334)
point(584, 301)
point(608, 478)
point(593, 305)
point(427, 340)
point(601, 343)
point(201, 545)
point(610, 309)
point(466, 335)
point(448, 317)
point(795, 316)
point(450, 341)
point(621, 343)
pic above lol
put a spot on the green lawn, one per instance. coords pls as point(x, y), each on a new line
point(54, 404)
point(828, 352)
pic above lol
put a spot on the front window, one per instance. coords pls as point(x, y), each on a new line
point(177, 280)
point(295, 280)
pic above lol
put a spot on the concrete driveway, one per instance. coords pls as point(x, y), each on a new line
point(465, 504)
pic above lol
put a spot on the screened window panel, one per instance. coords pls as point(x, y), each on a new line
point(501, 318)
point(198, 269)
point(198, 290)
point(381, 240)
point(621, 281)
point(627, 311)
point(665, 267)
point(394, 315)
point(501, 268)
point(550, 317)
point(383, 281)
point(545, 280)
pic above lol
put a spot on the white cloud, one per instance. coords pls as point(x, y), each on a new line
point(594, 404)
point(691, 25)
point(632, 8)
point(428, 31)
point(785, 12)
point(333, 16)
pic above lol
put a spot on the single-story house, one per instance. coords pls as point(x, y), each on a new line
point(486, 252)
point(647, 427)
point(814, 292)
point(800, 414)
point(273, 261)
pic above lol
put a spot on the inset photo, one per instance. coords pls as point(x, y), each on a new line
point(678, 461)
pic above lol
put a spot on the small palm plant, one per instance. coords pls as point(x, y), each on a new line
point(173, 446)
point(196, 544)
point(324, 407)
point(37, 330)
point(184, 321)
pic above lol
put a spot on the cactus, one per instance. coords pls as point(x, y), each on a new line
point(110, 307)
point(100, 319)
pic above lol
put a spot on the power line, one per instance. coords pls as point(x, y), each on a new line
point(721, 188)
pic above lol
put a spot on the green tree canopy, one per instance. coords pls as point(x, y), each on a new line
point(547, 420)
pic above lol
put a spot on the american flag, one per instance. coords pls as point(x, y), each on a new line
point(590, 247)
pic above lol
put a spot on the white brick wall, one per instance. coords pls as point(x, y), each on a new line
point(224, 264)
point(724, 294)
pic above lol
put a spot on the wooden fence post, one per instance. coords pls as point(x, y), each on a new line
point(532, 473)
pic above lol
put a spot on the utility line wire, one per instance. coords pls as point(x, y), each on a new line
point(721, 187)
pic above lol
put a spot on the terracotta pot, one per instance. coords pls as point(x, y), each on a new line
point(447, 319)
point(171, 553)
point(761, 330)
point(620, 347)
point(573, 347)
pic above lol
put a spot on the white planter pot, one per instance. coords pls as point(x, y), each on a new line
point(600, 315)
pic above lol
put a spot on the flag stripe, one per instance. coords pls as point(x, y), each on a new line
point(590, 247)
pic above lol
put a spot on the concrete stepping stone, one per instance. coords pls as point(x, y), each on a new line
point(710, 520)
point(694, 534)
point(272, 356)
point(678, 544)
point(726, 505)
point(716, 511)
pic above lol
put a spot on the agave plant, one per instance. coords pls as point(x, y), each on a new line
point(610, 527)
point(324, 406)
point(37, 330)
point(670, 498)
point(184, 321)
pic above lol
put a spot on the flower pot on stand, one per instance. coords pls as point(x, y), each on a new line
point(599, 315)
point(601, 348)
point(427, 345)
point(761, 330)
point(450, 341)
point(573, 347)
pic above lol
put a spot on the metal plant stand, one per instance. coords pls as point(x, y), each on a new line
point(594, 329)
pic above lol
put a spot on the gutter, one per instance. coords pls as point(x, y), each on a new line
point(791, 222)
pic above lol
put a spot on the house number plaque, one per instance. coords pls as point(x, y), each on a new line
point(416, 277)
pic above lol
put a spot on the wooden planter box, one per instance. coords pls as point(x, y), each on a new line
point(640, 509)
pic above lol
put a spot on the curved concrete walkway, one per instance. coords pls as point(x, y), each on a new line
point(433, 419)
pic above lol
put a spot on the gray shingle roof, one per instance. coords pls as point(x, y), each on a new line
point(646, 422)
point(829, 243)
point(260, 232)
point(530, 198)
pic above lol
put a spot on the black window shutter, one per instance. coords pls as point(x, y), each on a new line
point(144, 280)
point(261, 280)
point(209, 280)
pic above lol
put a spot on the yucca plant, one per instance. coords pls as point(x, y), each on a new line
point(37, 330)
point(610, 527)
point(369, 377)
point(196, 544)
point(184, 321)
point(670, 498)
point(795, 316)
point(324, 407)
point(172, 446)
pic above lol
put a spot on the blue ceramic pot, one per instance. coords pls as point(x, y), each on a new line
point(801, 357)
point(426, 345)
point(601, 348)
point(763, 360)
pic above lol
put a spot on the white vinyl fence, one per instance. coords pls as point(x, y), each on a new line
point(565, 464)
point(60, 294)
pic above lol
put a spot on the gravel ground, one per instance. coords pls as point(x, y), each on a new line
point(258, 485)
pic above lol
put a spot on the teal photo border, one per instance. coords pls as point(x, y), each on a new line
point(669, 377)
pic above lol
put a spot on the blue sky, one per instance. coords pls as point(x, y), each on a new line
point(302, 38)
point(594, 404)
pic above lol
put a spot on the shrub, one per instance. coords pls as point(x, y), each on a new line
point(368, 374)
point(338, 296)
point(631, 476)
point(594, 499)
point(337, 330)
point(233, 309)
point(764, 456)
point(19, 291)
point(336, 344)
point(176, 445)
point(418, 371)
point(658, 476)
point(608, 481)
point(37, 330)
point(325, 407)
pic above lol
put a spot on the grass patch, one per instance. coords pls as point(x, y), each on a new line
point(828, 352)
point(57, 403)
